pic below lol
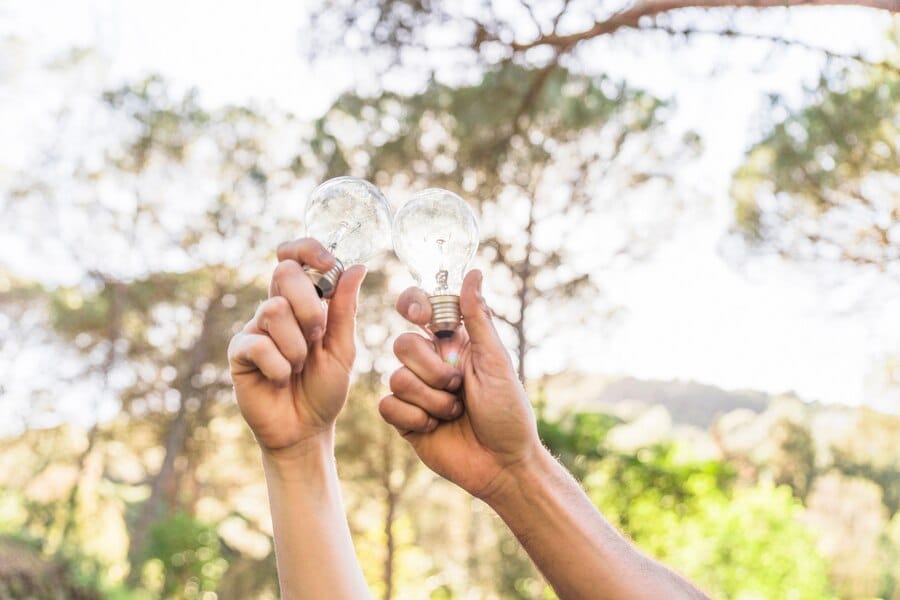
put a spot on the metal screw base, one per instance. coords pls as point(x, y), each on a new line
point(445, 315)
point(327, 281)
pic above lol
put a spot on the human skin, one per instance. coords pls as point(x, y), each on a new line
point(469, 420)
point(291, 366)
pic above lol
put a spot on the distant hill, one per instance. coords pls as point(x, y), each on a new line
point(688, 402)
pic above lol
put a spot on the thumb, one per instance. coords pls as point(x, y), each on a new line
point(340, 329)
point(477, 317)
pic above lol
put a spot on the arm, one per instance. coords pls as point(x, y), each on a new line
point(577, 550)
point(291, 370)
point(313, 548)
point(481, 434)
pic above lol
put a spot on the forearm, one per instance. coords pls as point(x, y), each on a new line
point(577, 550)
point(313, 547)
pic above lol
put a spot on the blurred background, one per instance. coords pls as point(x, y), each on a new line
point(691, 238)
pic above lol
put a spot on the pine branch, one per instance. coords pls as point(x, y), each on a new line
point(733, 33)
point(633, 16)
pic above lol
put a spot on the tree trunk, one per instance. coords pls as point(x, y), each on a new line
point(162, 483)
point(524, 274)
point(389, 515)
point(113, 332)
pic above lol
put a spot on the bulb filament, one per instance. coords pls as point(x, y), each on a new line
point(442, 274)
point(342, 231)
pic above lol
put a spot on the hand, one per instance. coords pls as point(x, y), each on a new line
point(291, 363)
point(470, 422)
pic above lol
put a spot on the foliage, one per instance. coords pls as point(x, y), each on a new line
point(166, 213)
point(187, 555)
point(822, 184)
point(747, 545)
point(540, 152)
point(735, 542)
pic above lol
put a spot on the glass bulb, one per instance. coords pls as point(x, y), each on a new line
point(352, 219)
point(436, 235)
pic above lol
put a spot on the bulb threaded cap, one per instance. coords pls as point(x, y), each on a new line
point(327, 281)
point(445, 315)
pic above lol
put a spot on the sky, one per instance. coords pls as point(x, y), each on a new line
point(688, 313)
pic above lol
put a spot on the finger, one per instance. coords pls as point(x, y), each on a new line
point(420, 356)
point(291, 282)
point(412, 390)
point(306, 251)
point(341, 329)
point(250, 352)
point(414, 306)
point(276, 318)
point(405, 417)
point(477, 317)
point(453, 350)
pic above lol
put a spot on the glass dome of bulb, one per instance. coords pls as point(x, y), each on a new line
point(350, 217)
point(436, 235)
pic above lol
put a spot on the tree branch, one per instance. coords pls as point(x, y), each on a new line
point(632, 16)
point(503, 318)
point(885, 65)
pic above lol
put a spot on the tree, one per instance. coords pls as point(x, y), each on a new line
point(541, 152)
point(690, 514)
point(537, 168)
point(821, 184)
point(793, 461)
point(852, 541)
point(517, 69)
point(488, 33)
point(166, 283)
point(24, 573)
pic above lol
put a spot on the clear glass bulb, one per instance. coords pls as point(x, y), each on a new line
point(352, 219)
point(436, 235)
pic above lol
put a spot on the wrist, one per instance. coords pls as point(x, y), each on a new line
point(512, 479)
point(301, 460)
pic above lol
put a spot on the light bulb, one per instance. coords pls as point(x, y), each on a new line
point(436, 235)
point(352, 219)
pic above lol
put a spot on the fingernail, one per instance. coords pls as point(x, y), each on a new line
point(415, 309)
point(454, 383)
point(298, 368)
point(325, 257)
point(315, 334)
point(456, 410)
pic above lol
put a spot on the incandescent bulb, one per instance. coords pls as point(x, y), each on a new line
point(436, 235)
point(352, 219)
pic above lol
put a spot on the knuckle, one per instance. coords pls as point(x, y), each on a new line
point(403, 344)
point(312, 322)
point(400, 379)
point(297, 355)
point(311, 245)
point(403, 301)
point(282, 249)
point(312, 313)
point(384, 407)
point(422, 421)
point(275, 307)
point(445, 376)
point(284, 269)
point(257, 346)
point(283, 372)
point(233, 345)
point(446, 404)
